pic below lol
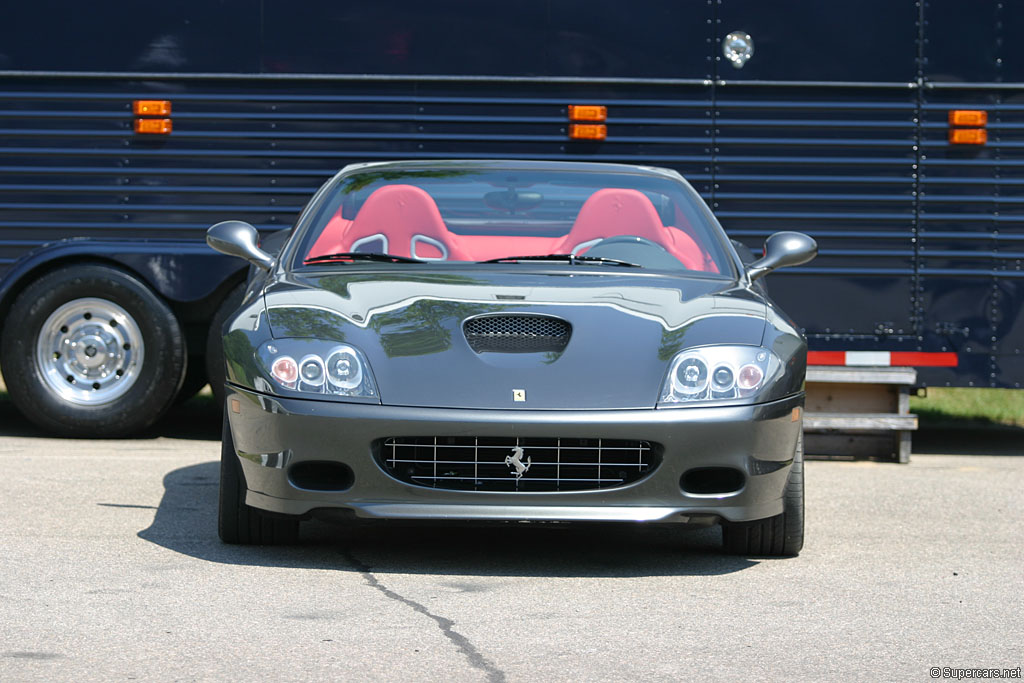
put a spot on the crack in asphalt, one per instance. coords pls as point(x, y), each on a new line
point(475, 658)
point(125, 505)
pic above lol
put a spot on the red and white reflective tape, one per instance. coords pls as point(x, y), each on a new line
point(883, 359)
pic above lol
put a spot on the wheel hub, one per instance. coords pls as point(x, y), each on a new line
point(92, 351)
point(89, 351)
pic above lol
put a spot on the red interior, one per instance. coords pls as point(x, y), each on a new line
point(405, 214)
point(614, 211)
point(400, 213)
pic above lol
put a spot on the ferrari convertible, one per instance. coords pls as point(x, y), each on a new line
point(512, 341)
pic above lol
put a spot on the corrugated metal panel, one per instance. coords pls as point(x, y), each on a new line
point(837, 161)
point(71, 165)
point(839, 164)
point(972, 229)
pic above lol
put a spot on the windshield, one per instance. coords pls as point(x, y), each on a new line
point(487, 214)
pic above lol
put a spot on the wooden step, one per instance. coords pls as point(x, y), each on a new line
point(859, 412)
point(859, 421)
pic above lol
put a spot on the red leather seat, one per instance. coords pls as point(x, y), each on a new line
point(331, 238)
point(616, 211)
point(396, 219)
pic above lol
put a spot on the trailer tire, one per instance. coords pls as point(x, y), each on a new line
point(195, 380)
point(94, 352)
point(215, 342)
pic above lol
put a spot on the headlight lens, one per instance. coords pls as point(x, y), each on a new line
point(285, 371)
point(691, 376)
point(344, 369)
point(713, 373)
point(326, 368)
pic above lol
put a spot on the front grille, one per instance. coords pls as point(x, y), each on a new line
point(517, 333)
point(468, 463)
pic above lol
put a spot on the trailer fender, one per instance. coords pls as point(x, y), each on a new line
point(180, 271)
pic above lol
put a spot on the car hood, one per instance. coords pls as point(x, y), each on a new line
point(625, 329)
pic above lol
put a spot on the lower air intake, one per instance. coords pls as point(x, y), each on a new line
point(511, 464)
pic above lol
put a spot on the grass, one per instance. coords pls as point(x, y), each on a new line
point(974, 407)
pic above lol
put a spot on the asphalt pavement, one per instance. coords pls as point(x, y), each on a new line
point(110, 569)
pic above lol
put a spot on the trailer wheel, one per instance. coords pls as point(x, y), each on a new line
point(779, 536)
point(89, 350)
point(195, 380)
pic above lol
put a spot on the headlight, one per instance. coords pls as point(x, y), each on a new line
point(326, 368)
point(714, 373)
point(344, 369)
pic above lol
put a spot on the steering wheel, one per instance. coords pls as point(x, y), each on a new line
point(636, 249)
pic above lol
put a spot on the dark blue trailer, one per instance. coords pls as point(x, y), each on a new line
point(890, 130)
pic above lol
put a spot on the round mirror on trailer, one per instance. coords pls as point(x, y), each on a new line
point(738, 47)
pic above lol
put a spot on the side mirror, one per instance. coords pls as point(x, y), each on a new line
point(237, 238)
point(781, 250)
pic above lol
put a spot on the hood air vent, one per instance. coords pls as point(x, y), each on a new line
point(517, 333)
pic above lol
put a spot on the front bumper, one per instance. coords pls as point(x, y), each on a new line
point(273, 435)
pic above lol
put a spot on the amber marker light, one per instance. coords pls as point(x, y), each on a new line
point(588, 112)
point(968, 117)
point(152, 107)
point(968, 136)
point(153, 126)
point(588, 131)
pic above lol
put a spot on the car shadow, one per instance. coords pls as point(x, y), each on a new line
point(186, 522)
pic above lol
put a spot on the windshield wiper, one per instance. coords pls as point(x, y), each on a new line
point(360, 256)
point(568, 258)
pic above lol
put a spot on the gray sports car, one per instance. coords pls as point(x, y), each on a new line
point(512, 341)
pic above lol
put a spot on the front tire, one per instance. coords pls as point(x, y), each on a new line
point(90, 350)
point(238, 523)
point(779, 536)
